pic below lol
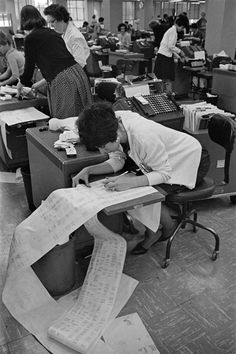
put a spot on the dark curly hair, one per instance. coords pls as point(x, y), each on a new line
point(30, 18)
point(122, 25)
point(97, 125)
point(58, 12)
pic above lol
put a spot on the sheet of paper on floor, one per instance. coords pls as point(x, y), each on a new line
point(128, 335)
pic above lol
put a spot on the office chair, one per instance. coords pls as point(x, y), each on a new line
point(222, 130)
point(184, 202)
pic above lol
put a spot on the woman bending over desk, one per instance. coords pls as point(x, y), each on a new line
point(68, 87)
point(162, 156)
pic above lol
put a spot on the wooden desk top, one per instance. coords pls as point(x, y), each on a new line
point(155, 197)
point(200, 68)
point(128, 55)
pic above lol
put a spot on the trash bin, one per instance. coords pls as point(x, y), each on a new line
point(25, 171)
point(57, 268)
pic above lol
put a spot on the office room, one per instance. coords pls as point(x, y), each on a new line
point(117, 227)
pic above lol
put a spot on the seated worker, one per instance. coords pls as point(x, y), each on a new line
point(123, 36)
point(98, 28)
point(165, 157)
point(15, 61)
point(196, 34)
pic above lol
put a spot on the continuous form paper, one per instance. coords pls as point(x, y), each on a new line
point(62, 212)
point(84, 323)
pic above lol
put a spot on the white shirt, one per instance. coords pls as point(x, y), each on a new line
point(168, 43)
point(76, 44)
point(171, 156)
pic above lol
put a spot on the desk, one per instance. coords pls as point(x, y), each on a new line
point(133, 63)
point(194, 72)
point(20, 154)
point(224, 85)
point(51, 169)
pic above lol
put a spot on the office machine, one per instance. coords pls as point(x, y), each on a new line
point(145, 47)
point(161, 108)
point(13, 145)
point(103, 42)
point(189, 50)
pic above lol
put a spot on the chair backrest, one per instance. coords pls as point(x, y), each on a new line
point(222, 130)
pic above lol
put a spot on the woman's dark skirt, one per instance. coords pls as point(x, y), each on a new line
point(164, 67)
point(69, 93)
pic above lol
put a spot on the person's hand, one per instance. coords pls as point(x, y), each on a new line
point(19, 87)
point(119, 183)
point(82, 175)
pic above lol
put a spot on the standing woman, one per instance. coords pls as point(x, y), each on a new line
point(68, 87)
point(164, 65)
point(59, 19)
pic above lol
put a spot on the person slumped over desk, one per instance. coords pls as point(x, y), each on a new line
point(165, 157)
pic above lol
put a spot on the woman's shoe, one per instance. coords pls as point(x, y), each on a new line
point(150, 238)
point(167, 234)
point(139, 249)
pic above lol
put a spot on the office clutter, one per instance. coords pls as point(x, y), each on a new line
point(13, 124)
point(197, 115)
point(95, 306)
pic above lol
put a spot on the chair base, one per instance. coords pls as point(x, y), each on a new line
point(183, 220)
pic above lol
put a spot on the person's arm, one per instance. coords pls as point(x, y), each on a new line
point(79, 49)
point(125, 182)
point(5, 75)
point(99, 169)
point(30, 61)
point(38, 84)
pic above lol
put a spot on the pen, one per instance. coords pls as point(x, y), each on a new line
point(122, 174)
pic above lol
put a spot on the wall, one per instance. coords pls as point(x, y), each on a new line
point(221, 26)
point(145, 14)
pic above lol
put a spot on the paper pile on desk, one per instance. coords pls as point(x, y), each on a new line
point(22, 115)
point(194, 113)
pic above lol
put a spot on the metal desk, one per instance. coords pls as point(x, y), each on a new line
point(224, 85)
point(20, 154)
point(131, 63)
point(51, 169)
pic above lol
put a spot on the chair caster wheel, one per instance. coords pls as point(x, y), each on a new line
point(165, 263)
point(214, 256)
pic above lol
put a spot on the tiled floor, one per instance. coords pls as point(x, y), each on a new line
point(188, 308)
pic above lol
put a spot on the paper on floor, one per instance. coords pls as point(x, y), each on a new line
point(51, 224)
